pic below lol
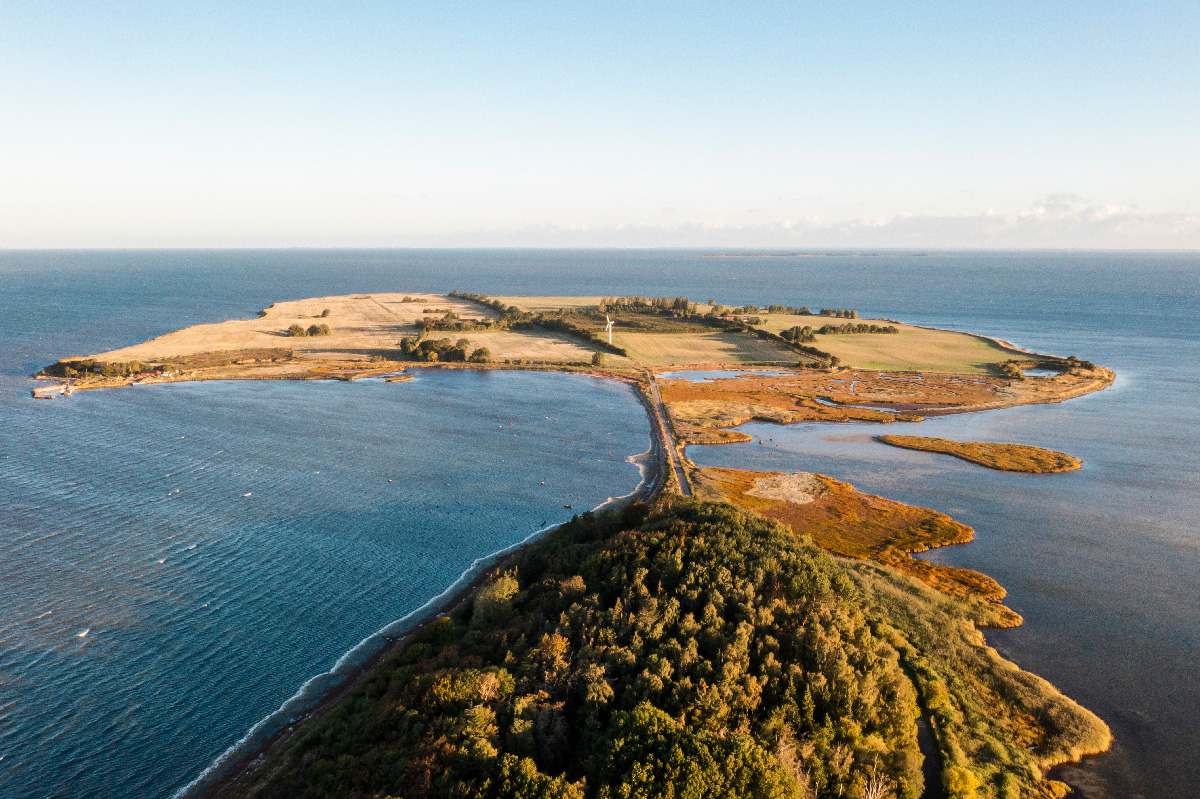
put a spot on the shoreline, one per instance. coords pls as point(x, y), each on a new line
point(226, 776)
point(221, 777)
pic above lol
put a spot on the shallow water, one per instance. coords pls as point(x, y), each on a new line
point(701, 375)
point(1102, 562)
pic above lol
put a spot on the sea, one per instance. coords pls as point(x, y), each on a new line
point(185, 567)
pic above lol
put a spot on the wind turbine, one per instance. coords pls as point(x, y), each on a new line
point(609, 328)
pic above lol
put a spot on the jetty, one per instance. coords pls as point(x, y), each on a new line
point(50, 392)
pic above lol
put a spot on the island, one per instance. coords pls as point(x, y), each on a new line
point(725, 633)
point(1002, 457)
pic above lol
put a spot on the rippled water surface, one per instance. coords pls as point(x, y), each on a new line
point(256, 594)
point(180, 559)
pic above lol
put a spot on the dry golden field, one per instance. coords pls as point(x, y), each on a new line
point(362, 326)
point(687, 349)
point(546, 304)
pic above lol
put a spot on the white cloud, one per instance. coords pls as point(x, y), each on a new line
point(1059, 220)
point(1056, 221)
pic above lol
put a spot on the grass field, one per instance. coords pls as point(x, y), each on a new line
point(913, 348)
point(541, 304)
point(675, 349)
point(362, 326)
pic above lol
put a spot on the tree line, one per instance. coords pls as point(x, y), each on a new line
point(88, 366)
point(832, 330)
point(681, 305)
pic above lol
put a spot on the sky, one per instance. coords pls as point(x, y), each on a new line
point(1047, 124)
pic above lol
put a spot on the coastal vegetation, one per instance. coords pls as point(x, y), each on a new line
point(687, 649)
point(697, 408)
point(998, 728)
point(83, 367)
point(1011, 370)
point(1014, 368)
point(80, 368)
point(849, 523)
point(1004, 457)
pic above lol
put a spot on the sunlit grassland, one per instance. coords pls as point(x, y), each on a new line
point(673, 349)
point(551, 304)
point(913, 348)
point(362, 326)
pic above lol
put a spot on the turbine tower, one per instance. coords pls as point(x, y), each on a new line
point(608, 327)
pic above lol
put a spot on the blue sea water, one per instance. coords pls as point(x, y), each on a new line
point(254, 595)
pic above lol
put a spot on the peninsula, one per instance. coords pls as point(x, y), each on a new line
point(735, 634)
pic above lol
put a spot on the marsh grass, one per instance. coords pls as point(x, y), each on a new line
point(699, 421)
point(1003, 457)
point(849, 523)
point(997, 725)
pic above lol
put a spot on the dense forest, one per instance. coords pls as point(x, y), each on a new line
point(684, 650)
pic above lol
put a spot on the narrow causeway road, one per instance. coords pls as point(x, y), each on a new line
point(669, 437)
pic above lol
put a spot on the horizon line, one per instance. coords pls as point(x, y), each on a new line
point(781, 252)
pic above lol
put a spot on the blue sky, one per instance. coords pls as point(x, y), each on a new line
point(1047, 124)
